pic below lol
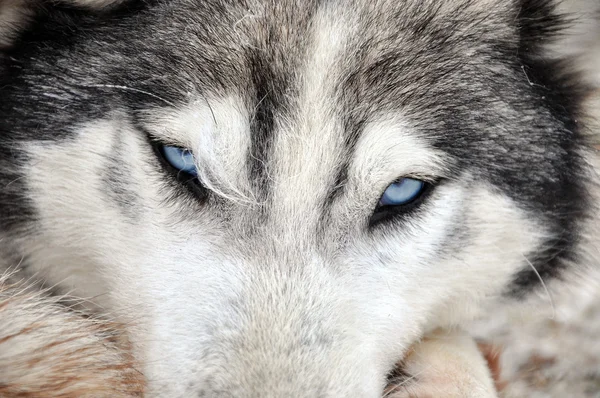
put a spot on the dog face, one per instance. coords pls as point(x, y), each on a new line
point(280, 197)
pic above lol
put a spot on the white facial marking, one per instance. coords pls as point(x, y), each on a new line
point(307, 147)
point(218, 133)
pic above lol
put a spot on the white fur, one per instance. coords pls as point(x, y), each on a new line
point(266, 307)
point(177, 279)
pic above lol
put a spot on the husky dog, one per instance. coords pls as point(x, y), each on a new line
point(278, 198)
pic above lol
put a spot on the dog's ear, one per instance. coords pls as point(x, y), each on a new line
point(581, 44)
point(562, 29)
point(560, 54)
point(16, 15)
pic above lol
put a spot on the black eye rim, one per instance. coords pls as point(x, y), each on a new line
point(390, 213)
point(187, 180)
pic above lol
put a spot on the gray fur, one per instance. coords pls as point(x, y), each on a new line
point(268, 276)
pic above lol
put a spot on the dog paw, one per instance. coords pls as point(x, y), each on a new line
point(445, 364)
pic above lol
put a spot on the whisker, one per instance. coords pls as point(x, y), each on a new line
point(135, 90)
point(550, 299)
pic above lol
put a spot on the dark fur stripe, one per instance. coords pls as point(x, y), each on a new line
point(563, 200)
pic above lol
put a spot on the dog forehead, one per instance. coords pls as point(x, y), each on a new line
point(310, 75)
point(369, 57)
point(355, 59)
point(387, 53)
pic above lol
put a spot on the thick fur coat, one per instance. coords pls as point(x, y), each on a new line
point(272, 268)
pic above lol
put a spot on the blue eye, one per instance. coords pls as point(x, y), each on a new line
point(402, 192)
point(180, 158)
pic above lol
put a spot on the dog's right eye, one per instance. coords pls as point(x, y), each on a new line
point(400, 198)
point(180, 163)
point(180, 159)
point(402, 192)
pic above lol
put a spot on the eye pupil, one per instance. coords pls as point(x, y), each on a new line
point(402, 192)
point(181, 159)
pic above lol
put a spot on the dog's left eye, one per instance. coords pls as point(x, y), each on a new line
point(402, 192)
point(180, 158)
point(399, 199)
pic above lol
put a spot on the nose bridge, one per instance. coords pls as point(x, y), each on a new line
point(293, 340)
point(298, 198)
point(309, 141)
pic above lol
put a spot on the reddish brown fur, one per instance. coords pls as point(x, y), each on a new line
point(49, 350)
